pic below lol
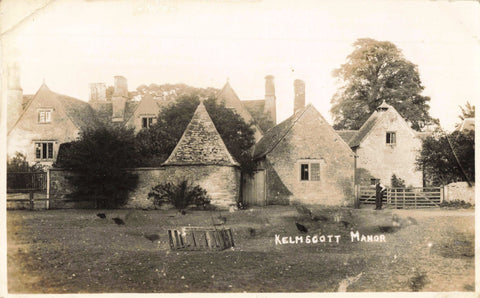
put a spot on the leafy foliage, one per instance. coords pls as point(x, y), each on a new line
point(156, 143)
point(397, 181)
point(99, 160)
point(467, 112)
point(458, 204)
point(180, 195)
point(19, 163)
point(376, 71)
point(174, 91)
point(438, 161)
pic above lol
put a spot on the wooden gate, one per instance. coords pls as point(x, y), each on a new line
point(415, 197)
point(403, 198)
point(254, 189)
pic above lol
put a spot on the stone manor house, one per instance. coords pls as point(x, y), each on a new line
point(301, 159)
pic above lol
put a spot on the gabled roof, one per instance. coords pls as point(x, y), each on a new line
point(346, 135)
point(78, 111)
point(372, 121)
point(254, 106)
point(231, 99)
point(364, 130)
point(274, 135)
point(201, 144)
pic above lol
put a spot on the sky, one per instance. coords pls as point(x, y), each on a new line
point(70, 44)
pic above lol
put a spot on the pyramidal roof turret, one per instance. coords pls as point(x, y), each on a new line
point(201, 144)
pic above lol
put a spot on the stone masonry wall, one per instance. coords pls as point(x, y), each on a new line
point(459, 191)
point(312, 139)
point(221, 183)
point(383, 160)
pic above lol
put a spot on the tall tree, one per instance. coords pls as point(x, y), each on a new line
point(467, 112)
point(376, 71)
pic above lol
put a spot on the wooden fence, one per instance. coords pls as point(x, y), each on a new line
point(403, 198)
point(28, 182)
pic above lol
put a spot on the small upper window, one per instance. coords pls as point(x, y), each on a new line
point(310, 171)
point(391, 137)
point(45, 116)
point(147, 122)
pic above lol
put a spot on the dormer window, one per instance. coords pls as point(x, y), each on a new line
point(147, 122)
point(391, 138)
point(45, 116)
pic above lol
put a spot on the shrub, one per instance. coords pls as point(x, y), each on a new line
point(397, 181)
point(460, 204)
point(180, 195)
point(99, 161)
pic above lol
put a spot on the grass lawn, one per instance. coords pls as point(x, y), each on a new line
point(74, 251)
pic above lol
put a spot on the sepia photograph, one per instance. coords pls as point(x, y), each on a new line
point(248, 147)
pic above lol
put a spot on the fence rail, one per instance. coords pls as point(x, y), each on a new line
point(403, 198)
point(26, 181)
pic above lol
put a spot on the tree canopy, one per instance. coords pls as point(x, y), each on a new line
point(468, 111)
point(155, 144)
point(438, 161)
point(99, 160)
point(376, 71)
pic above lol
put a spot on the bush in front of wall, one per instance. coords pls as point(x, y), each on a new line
point(180, 195)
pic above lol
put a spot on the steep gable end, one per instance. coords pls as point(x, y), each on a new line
point(232, 101)
point(201, 144)
point(78, 112)
point(375, 119)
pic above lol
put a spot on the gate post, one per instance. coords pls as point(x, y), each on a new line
point(47, 202)
point(31, 200)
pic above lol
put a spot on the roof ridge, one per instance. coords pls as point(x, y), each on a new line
point(296, 117)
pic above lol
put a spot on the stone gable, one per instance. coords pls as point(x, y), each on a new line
point(201, 144)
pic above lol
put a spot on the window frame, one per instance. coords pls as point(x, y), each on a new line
point(149, 121)
point(389, 136)
point(44, 112)
point(44, 149)
point(310, 175)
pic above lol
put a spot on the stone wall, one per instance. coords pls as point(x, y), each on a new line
point(459, 191)
point(312, 139)
point(382, 160)
point(222, 184)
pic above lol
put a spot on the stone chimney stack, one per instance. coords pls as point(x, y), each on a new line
point(119, 99)
point(14, 93)
point(270, 99)
point(98, 92)
point(299, 89)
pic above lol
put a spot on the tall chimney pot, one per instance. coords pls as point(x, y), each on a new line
point(299, 101)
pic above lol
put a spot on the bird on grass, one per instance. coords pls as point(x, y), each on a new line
point(152, 237)
point(301, 228)
point(252, 232)
point(183, 212)
point(346, 224)
point(102, 215)
point(118, 221)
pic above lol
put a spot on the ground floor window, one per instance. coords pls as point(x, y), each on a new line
point(44, 150)
point(310, 171)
